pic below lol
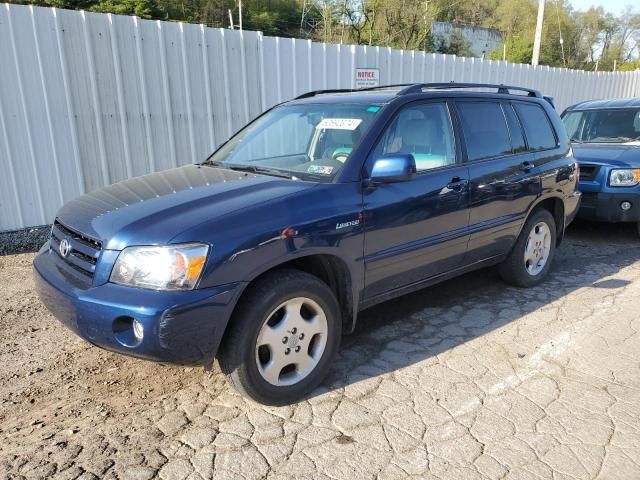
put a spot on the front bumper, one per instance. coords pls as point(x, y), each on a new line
point(605, 206)
point(179, 327)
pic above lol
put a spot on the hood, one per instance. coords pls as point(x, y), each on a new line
point(154, 208)
point(604, 154)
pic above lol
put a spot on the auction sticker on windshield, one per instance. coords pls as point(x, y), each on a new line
point(339, 123)
point(321, 169)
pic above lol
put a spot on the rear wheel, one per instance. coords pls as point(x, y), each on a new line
point(282, 338)
point(530, 260)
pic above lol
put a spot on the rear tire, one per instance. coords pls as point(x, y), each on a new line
point(282, 338)
point(531, 257)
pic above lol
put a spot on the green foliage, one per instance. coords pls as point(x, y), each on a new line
point(140, 8)
point(590, 39)
point(630, 66)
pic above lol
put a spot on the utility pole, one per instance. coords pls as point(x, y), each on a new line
point(538, 38)
point(240, 14)
point(230, 19)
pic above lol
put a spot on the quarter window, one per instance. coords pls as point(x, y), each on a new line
point(485, 129)
point(517, 139)
point(424, 130)
point(536, 126)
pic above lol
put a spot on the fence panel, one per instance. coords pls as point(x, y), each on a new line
point(89, 99)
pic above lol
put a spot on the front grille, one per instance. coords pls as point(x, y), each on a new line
point(588, 172)
point(83, 253)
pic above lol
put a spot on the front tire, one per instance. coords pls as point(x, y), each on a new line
point(530, 260)
point(282, 338)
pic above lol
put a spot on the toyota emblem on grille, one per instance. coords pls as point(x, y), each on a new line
point(65, 247)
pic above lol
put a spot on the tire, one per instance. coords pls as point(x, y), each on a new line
point(265, 332)
point(527, 271)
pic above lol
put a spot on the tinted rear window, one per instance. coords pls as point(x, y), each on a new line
point(485, 130)
point(536, 125)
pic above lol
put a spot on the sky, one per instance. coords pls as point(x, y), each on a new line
point(614, 6)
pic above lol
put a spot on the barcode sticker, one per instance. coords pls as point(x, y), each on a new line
point(339, 123)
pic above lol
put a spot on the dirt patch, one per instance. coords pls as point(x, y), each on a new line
point(466, 379)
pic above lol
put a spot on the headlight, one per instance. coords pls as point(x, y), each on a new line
point(171, 267)
point(624, 177)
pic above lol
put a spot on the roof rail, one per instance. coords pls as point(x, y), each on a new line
point(407, 88)
point(313, 93)
point(418, 87)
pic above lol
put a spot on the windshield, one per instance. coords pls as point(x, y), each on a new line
point(620, 125)
point(299, 141)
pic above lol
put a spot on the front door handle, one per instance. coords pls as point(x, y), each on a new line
point(527, 166)
point(457, 184)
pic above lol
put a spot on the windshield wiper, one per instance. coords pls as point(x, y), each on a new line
point(260, 170)
point(576, 140)
point(619, 139)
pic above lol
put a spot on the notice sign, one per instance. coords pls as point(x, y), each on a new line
point(367, 77)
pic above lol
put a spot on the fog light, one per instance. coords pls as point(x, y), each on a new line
point(625, 206)
point(138, 330)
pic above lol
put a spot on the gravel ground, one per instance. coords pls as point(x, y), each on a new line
point(25, 240)
point(468, 379)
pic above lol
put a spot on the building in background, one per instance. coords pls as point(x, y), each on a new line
point(465, 40)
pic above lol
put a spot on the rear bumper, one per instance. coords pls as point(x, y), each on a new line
point(605, 206)
point(179, 327)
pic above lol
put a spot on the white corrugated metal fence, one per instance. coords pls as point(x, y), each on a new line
point(89, 99)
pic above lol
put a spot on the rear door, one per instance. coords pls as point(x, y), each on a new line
point(502, 175)
point(539, 133)
point(417, 229)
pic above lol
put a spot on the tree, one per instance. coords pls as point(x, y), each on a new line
point(140, 8)
point(454, 44)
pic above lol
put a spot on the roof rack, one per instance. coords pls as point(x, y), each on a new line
point(418, 87)
point(313, 93)
point(407, 88)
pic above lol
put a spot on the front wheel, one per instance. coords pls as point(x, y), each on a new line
point(282, 337)
point(530, 260)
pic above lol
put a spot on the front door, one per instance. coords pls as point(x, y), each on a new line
point(416, 229)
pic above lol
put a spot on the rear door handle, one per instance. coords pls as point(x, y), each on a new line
point(527, 166)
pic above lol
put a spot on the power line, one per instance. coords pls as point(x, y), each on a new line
point(564, 62)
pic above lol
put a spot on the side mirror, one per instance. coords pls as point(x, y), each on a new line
point(393, 167)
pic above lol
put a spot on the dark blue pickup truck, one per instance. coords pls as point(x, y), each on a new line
point(606, 143)
point(264, 254)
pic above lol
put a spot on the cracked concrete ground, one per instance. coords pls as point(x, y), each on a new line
point(470, 379)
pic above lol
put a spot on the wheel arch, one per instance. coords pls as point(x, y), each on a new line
point(555, 206)
point(331, 269)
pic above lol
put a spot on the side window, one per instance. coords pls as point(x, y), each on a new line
point(515, 129)
point(485, 129)
point(425, 131)
point(536, 126)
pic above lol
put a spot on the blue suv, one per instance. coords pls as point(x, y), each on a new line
point(264, 254)
point(606, 143)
